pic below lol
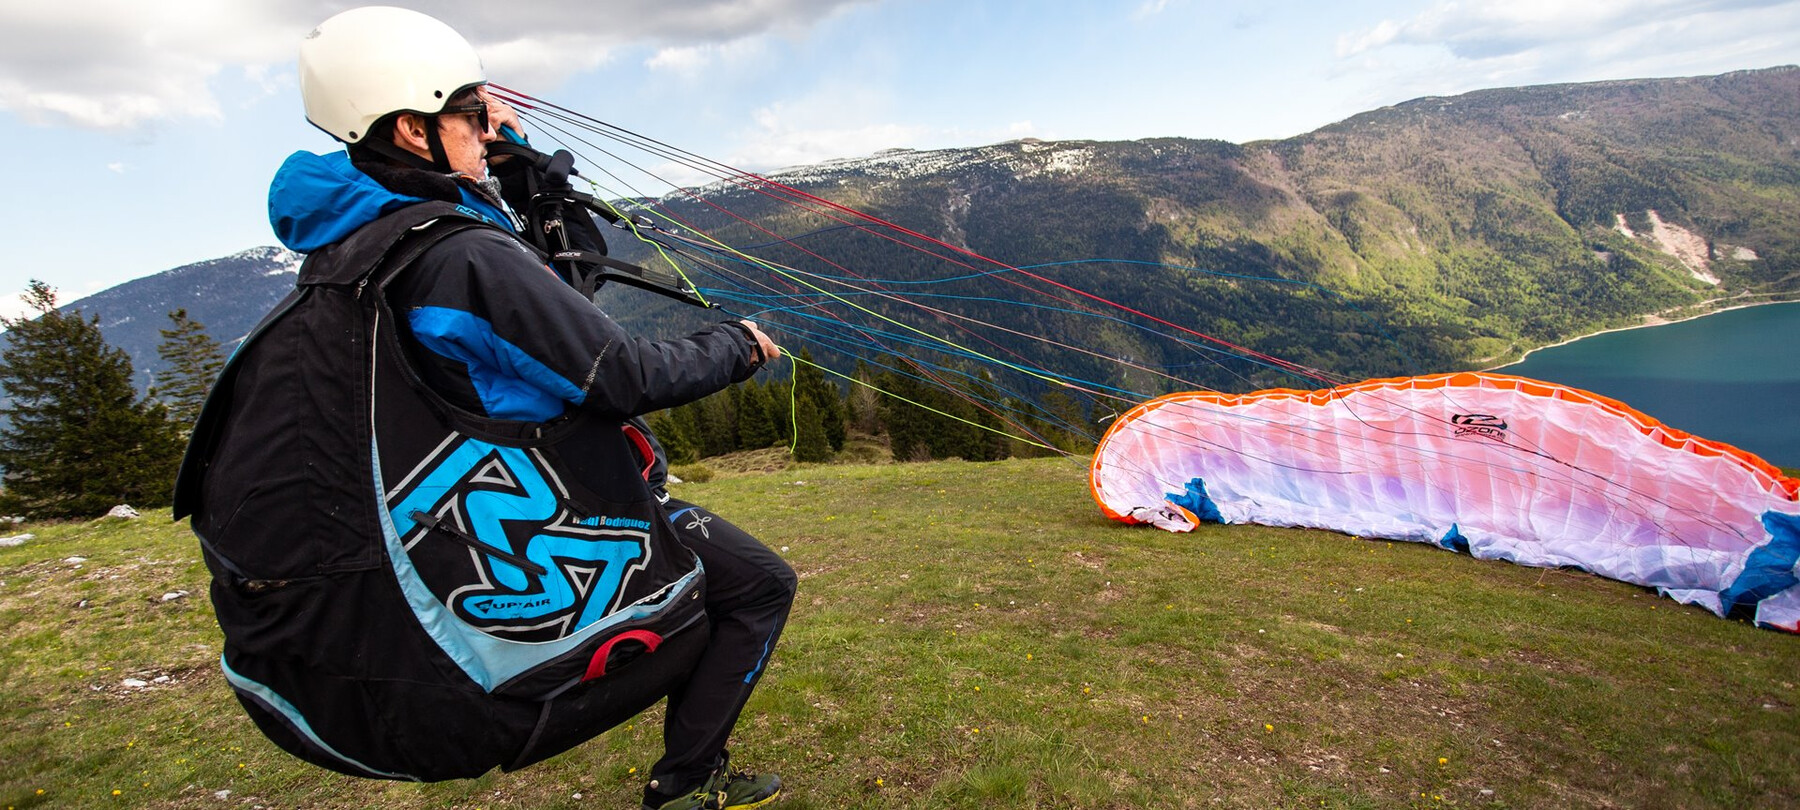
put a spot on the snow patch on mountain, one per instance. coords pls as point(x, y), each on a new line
point(1021, 159)
point(1068, 161)
point(279, 260)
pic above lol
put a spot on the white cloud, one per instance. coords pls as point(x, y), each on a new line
point(1488, 29)
point(14, 308)
point(116, 167)
point(267, 80)
point(684, 59)
point(1383, 33)
point(796, 133)
point(1456, 45)
point(691, 21)
point(691, 62)
point(542, 61)
point(1150, 8)
point(118, 64)
point(109, 64)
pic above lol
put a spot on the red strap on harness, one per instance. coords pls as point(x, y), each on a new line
point(643, 446)
point(597, 666)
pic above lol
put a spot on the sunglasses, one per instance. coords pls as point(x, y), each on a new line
point(477, 109)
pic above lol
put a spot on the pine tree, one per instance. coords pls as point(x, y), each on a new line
point(781, 409)
point(716, 420)
point(673, 436)
point(810, 444)
point(78, 438)
point(1066, 422)
point(984, 440)
point(194, 361)
point(909, 427)
point(827, 400)
point(862, 406)
point(755, 423)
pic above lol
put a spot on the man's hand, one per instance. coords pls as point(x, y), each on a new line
point(500, 114)
point(766, 348)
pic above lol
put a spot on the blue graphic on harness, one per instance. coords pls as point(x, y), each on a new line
point(540, 568)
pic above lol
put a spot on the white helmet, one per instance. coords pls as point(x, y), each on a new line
point(368, 62)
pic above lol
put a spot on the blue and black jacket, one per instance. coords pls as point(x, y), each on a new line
point(498, 332)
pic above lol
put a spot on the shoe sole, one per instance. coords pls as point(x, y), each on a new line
point(757, 803)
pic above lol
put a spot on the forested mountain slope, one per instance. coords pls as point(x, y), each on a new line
point(1437, 234)
point(1449, 232)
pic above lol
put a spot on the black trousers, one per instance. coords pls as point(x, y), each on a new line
point(748, 592)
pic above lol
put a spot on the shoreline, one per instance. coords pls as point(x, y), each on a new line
point(1652, 320)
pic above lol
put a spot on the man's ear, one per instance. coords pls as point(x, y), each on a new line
point(410, 134)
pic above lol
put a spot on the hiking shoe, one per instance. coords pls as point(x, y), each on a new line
point(725, 789)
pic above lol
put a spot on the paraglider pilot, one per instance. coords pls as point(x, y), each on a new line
point(497, 335)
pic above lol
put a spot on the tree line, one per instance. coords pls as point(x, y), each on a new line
point(78, 438)
point(918, 413)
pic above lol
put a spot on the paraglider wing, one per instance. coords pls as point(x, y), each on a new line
point(1494, 466)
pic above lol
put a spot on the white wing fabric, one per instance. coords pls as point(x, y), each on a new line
point(1495, 466)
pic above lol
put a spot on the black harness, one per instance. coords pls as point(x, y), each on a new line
point(412, 591)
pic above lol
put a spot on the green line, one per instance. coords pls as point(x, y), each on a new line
point(640, 237)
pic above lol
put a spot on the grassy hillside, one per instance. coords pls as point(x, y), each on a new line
point(978, 636)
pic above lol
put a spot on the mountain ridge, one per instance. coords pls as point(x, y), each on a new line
point(228, 295)
point(1470, 228)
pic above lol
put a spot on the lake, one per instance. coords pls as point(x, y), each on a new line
point(1731, 376)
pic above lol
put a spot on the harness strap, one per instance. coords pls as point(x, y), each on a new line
point(589, 270)
point(645, 452)
point(597, 665)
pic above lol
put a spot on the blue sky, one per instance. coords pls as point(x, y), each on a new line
point(145, 133)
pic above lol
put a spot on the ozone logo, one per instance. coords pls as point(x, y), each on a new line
point(1480, 424)
point(540, 571)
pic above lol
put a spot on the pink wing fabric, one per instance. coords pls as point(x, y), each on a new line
point(1495, 466)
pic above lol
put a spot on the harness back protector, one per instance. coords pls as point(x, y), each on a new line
point(409, 590)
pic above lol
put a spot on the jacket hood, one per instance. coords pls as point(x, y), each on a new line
point(316, 200)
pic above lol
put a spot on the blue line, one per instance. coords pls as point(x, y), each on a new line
point(757, 670)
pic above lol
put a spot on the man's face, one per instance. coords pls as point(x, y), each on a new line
point(465, 139)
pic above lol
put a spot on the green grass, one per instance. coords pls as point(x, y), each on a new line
point(978, 636)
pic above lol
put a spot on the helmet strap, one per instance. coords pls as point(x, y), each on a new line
point(407, 158)
point(440, 159)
